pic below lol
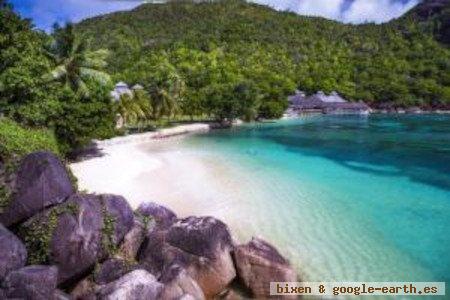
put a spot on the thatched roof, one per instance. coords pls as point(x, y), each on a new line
point(121, 84)
point(325, 102)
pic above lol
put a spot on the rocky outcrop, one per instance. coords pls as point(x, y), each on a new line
point(136, 285)
point(13, 254)
point(85, 289)
point(117, 211)
point(133, 240)
point(32, 282)
point(112, 269)
point(79, 232)
point(96, 247)
point(41, 181)
point(60, 295)
point(258, 263)
point(200, 245)
point(163, 216)
point(179, 285)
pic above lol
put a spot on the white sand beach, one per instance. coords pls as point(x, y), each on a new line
point(318, 235)
point(149, 167)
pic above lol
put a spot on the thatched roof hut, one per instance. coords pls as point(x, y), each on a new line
point(332, 103)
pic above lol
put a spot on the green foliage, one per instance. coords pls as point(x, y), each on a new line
point(74, 62)
point(86, 118)
point(134, 108)
point(38, 235)
point(5, 197)
point(17, 141)
point(108, 243)
point(77, 107)
point(23, 62)
point(215, 44)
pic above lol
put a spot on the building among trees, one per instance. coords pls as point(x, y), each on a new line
point(121, 88)
point(327, 104)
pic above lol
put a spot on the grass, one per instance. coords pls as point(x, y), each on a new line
point(15, 143)
point(18, 141)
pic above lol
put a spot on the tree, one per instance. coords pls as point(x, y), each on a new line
point(23, 93)
point(74, 62)
point(275, 50)
point(134, 108)
point(82, 120)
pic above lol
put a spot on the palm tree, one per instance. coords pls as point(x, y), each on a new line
point(166, 97)
point(74, 62)
point(134, 108)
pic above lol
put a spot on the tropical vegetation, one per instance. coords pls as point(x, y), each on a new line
point(44, 79)
point(217, 46)
point(215, 60)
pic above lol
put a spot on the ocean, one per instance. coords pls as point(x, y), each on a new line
point(345, 198)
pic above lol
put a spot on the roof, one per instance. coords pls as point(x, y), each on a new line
point(121, 84)
point(332, 98)
point(325, 102)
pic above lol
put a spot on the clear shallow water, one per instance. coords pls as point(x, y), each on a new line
point(345, 198)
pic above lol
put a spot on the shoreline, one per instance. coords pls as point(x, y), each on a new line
point(155, 135)
point(148, 167)
point(170, 172)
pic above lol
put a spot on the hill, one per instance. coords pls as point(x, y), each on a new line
point(403, 62)
point(436, 15)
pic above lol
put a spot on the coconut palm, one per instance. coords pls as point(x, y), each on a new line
point(75, 63)
point(134, 108)
point(166, 98)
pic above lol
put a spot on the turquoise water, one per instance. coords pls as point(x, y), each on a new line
point(345, 198)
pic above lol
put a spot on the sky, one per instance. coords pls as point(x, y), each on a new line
point(45, 13)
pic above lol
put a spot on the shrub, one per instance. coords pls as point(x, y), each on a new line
point(17, 141)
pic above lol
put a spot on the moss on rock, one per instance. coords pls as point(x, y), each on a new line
point(7, 174)
point(108, 243)
point(5, 198)
point(37, 235)
point(72, 177)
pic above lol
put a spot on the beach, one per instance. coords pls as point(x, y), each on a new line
point(319, 205)
point(144, 167)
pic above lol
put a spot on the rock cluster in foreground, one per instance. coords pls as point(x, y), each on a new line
point(56, 243)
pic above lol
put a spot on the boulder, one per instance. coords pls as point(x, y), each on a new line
point(41, 181)
point(85, 289)
point(60, 295)
point(121, 214)
point(234, 295)
point(135, 285)
point(112, 269)
point(77, 234)
point(202, 246)
point(179, 285)
point(163, 216)
point(258, 263)
point(13, 254)
point(32, 282)
point(132, 241)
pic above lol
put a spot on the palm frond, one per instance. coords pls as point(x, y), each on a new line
point(56, 74)
point(81, 88)
point(99, 76)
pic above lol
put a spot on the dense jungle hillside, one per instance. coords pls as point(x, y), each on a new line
point(403, 62)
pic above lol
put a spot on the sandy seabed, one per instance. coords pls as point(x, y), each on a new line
point(320, 240)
